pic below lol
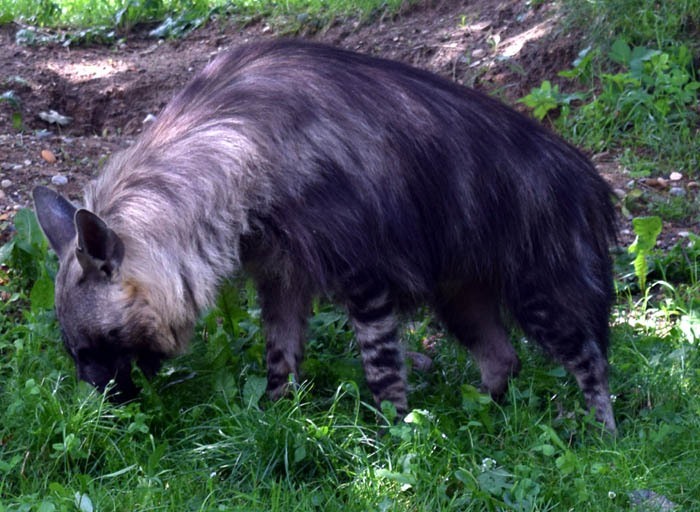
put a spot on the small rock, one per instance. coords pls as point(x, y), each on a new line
point(677, 191)
point(644, 499)
point(630, 184)
point(478, 53)
point(53, 117)
point(19, 83)
point(619, 193)
point(2, 194)
point(656, 182)
point(479, 26)
point(5, 183)
point(48, 155)
point(675, 176)
point(148, 119)
point(59, 180)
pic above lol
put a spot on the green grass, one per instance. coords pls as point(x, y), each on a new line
point(634, 88)
point(642, 22)
point(97, 20)
point(203, 436)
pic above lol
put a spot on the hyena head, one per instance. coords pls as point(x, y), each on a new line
point(106, 321)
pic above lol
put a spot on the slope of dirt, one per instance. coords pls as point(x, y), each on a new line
point(502, 46)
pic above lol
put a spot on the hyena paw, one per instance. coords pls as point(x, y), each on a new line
point(279, 386)
point(419, 362)
point(496, 374)
point(602, 405)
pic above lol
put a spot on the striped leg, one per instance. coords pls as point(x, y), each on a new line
point(285, 309)
point(376, 328)
point(574, 333)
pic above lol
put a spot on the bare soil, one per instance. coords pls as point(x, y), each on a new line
point(504, 47)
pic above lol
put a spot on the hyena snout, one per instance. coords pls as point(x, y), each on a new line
point(116, 379)
point(115, 375)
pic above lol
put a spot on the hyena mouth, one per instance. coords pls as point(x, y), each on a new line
point(117, 383)
point(116, 379)
point(123, 391)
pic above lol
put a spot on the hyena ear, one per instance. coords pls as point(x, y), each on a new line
point(55, 216)
point(99, 248)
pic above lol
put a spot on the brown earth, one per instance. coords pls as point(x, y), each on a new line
point(504, 47)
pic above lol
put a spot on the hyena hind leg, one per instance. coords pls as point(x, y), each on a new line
point(565, 335)
point(472, 314)
point(590, 369)
point(284, 310)
point(372, 315)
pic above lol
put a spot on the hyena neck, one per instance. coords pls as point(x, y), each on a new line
point(180, 231)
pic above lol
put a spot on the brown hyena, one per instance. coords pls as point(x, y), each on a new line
point(325, 172)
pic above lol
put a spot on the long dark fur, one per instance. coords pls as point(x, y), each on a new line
point(322, 171)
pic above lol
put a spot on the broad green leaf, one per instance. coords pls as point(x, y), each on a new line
point(639, 55)
point(495, 481)
point(46, 506)
point(567, 463)
point(253, 390)
point(402, 478)
point(620, 52)
point(647, 230)
point(299, 453)
point(29, 237)
point(42, 294)
point(690, 327)
point(6, 250)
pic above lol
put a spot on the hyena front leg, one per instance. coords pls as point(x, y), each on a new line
point(285, 309)
point(472, 314)
point(371, 311)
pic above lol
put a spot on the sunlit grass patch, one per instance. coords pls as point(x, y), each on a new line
point(102, 20)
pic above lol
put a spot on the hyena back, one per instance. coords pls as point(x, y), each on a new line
point(325, 172)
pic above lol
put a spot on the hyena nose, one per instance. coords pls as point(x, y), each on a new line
point(120, 388)
point(120, 395)
point(92, 377)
